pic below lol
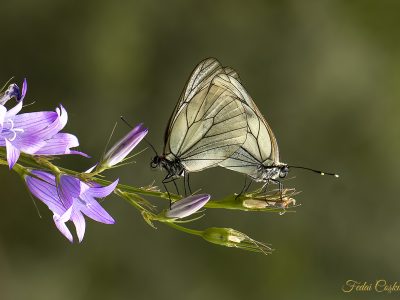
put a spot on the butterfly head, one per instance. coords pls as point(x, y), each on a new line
point(173, 167)
point(273, 172)
point(156, 162)
point(283, 171)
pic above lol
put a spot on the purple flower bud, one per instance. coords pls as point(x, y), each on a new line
point(187, 206)
point(13, 91)
point(122, 148)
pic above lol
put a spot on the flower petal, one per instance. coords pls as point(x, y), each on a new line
point(74, 152)
point(80, 224)
point(12, 154)
point(94, 210)
point(24, 89)
point(187, 206)
point(62, 113)
point(68, 189)
point(3, 112)
point(102, 191)
point(83, 187)
point(40, 125)
point(44, 188)
point(47, 177)
point(28, 143)
point(35, 121)
point(67, 215)
point(62, 228)
point(60, 144)
point(13, 111)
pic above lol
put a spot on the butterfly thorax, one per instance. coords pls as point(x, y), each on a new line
point(272, 172)
point(172, 165)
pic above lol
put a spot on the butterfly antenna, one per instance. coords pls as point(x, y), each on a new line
point(130, 126)
point(315, 171)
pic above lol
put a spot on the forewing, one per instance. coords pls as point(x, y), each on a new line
point(209, 128)
point(199, 79)
point(231, 73)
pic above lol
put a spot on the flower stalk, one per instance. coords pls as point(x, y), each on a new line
point(231, 202)
point(29, 141)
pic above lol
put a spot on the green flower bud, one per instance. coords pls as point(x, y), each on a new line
point(232, 238)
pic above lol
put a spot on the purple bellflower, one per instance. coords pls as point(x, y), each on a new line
point(36, 133)
point(69, 199)
point(123, 147)
point(187, 206)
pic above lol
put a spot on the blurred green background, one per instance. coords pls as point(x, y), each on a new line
point(326, 74)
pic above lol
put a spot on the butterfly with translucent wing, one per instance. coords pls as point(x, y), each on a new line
point(258, 157)
point(207, 126)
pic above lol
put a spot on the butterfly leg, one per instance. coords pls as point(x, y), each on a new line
point(176, 186)
point(264, 188)
point(169, 195)
point(168, 179)
point(280, 187)
point(188, 183)
point(248, 186)
point(184, 184)
point(245, 187)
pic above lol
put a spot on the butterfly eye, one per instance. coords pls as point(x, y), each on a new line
point(283, 172)
point(155, 162)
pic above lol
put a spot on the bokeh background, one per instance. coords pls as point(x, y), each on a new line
point(326, 74)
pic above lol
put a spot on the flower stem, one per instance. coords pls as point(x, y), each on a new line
point(229, 202)
point(184, 229)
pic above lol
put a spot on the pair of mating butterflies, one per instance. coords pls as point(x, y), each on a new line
point(216, 123)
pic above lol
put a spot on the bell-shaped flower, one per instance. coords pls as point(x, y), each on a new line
point(123, 147)
point(70, 199)
point(36, 133)
point(187, 206)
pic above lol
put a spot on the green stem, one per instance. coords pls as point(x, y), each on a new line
point(229, 202)
point(31, 162)
point(184, 229)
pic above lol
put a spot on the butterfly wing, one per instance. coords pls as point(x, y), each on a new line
point(208, 128)
point(260, 146)
point(201, 77)
point(231, 73)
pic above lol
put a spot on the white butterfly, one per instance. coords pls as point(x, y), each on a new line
point(258, 157)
